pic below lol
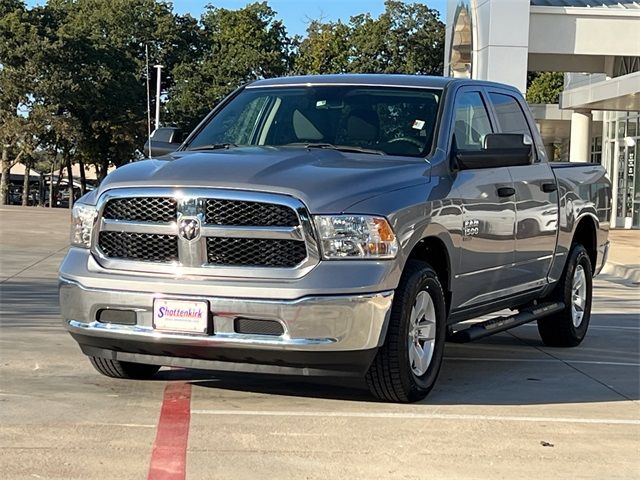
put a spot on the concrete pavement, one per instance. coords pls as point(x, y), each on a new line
point(504, 407)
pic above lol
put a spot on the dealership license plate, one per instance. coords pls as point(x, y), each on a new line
point(181, 316)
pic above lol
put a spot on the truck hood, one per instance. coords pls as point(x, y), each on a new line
point(327, 181)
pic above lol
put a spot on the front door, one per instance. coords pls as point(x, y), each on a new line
point(488, 239)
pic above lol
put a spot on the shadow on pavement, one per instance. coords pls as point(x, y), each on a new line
point(480, 379)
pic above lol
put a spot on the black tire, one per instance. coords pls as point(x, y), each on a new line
point(390, 376)
point(118, 369)
point(559, 330)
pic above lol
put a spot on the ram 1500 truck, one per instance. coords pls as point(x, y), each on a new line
point(341, 224)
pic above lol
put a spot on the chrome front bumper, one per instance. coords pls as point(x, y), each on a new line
point(315, 323)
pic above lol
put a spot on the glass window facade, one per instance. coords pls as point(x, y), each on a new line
point(619, 155)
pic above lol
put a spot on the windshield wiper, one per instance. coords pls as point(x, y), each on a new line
point(213, 146)
point(340, 148)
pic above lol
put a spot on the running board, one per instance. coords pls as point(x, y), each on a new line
point(500, 324)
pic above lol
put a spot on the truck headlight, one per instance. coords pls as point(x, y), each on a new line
point(355, 236)
point(82, 220)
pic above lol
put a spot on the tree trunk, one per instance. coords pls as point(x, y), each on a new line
point(4, 181)
point(25, 183)
point(101, 170)
point(69, 177)
point(53, 169)
point(40, 190)
point(60, 172)
point(83, 177)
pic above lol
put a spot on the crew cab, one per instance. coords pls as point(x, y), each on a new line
point(340, 225)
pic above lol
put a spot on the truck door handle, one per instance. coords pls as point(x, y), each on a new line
point(506, 192)
point(549, 187)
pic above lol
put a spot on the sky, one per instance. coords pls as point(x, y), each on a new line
point(296, 13)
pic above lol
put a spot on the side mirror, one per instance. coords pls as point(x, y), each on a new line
point(163, 141)
point(498, 150)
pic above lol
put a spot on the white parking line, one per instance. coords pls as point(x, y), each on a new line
point(105, 424)
point(417, 415)
point(540, 360)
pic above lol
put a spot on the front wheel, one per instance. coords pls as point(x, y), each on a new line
point(118, 369)
point(568, 327)
point(406, 367)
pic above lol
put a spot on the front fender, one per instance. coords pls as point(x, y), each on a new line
point(416, 213)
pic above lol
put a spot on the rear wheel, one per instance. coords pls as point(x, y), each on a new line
point(118, 369)
point(568, 327)
point(407, 365)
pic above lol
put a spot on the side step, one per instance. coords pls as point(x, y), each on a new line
point(500, 324)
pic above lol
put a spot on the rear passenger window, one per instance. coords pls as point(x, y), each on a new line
point(511, 118)
point(471, 121)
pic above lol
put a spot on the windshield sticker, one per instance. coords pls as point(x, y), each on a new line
point(321, 103)
point(418, 124)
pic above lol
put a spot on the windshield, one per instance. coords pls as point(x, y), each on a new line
point(396, 121)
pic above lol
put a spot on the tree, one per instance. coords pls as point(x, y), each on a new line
point(17, 37)
point(325, 49)
point(545, 87)
point(405, 38)
point(92, 71)
point(239, 46)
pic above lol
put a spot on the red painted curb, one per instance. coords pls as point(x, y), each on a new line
point(169, 456)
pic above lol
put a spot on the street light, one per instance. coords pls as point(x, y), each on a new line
point(159, 77)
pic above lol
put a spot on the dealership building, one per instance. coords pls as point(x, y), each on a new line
point(596, 44)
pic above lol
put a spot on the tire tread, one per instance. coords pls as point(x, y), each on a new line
point(557, 330)
point(117, 369)
point(384, 377)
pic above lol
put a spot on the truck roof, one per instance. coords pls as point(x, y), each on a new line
point(386, 79)
point(357, 79)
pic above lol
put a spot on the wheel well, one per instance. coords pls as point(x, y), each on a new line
point(585, 235)
point(433, 251)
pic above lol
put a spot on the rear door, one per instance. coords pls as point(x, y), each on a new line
point(536, 198)
point(487, 237)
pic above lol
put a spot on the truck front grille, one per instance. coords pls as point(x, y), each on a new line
point(142, 209)
point(255, 252)
point(233, 232)
point(146, 247)
point(237, 212)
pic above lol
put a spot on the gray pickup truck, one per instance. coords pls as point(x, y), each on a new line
point(341, 225)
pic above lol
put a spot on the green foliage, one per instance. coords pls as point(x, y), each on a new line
point(325, 50)
point(545, 87)
point(406, 38)
point(239, 46)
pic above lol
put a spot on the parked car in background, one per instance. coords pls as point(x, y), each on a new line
point(163, 140)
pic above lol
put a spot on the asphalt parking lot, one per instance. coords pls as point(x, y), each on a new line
point(504, 407)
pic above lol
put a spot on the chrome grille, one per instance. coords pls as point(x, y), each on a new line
point(146, 247)
point(142, 209)
point(237, 212)
point(255, 252)
point(242, 234)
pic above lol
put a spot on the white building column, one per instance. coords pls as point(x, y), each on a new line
point(501, 44)
point(580, 147)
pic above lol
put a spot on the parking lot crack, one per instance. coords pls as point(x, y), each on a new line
point(34, 264)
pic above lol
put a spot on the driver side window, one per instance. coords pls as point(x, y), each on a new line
point(471, 121)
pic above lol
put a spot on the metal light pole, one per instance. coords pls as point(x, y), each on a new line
point(159, 77)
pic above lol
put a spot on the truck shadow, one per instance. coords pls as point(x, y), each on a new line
point(507, 369)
